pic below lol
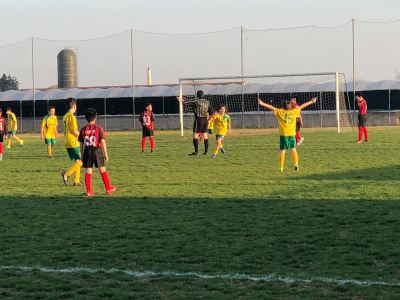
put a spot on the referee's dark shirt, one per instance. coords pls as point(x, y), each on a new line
point(201, 108)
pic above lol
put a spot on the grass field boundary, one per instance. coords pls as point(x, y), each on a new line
point(268, 278)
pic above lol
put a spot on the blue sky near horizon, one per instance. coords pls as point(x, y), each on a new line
point(86, 19)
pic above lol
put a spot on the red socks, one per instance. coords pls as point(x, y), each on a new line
point(365, 133)
point(362, 130)
point(152, 143)
point(106, 180)
point(1, 148)
point(88, 182)
point(298, 137)
point(143, 144)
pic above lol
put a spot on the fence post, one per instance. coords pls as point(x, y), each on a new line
point(33, 88)
point(389, 107)
point(20, 114)
point(48, 107)
point(320, 106)
point(105, 114)
point(133, 83)
point(258, 110)
point(354, 66)
point(163, 111)
point(242, 71)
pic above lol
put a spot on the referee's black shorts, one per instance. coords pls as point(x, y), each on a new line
point(200, 125)
point(1, 136)
point(298, 124)
point(93, 156)
point(362, 120)
point(147, 132)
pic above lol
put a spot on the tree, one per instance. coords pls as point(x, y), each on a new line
point(397, 75)
point(8, 83)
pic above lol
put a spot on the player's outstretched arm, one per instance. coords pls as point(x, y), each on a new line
point(266, 105)
point(312, 101)
point(104, 146)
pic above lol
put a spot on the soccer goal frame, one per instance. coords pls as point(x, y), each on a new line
point(242, 79)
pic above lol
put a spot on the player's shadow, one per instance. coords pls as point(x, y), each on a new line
point(388, 173)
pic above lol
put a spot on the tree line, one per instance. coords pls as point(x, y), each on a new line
point(8, 83)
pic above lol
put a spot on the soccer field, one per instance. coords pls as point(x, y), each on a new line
point(195, 227)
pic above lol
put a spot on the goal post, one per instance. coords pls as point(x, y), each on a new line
point(239, 94)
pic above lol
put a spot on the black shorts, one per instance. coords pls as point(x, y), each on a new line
point(362, 120)
point(1, 136)
point(147, 132)
point(200, 125)
point(93, 156)
point(298, 124)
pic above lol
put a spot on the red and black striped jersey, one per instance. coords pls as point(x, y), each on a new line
point(147, 119)
point(91, 136)
point(362, 107)
point(3, 124)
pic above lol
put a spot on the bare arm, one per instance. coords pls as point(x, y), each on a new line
point(103, 144)
point(312, 101)
point(75, 133)
point(41, 133)
point(229, 128)
point(266, 105)
point(81, 147)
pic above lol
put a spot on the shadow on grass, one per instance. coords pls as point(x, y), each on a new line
point(378, 174)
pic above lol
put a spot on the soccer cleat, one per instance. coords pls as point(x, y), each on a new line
point(222, 150)
point(367, 141)
point(358, 142)
point(193, 154)
point(89, 194)
point(78, 184)
point(296, 167)
point(280, 169)
point(64, 177)
point(50, 157)
point(8, 147)
point(111, 190)
point(205, 153)
point(297, 144)
point(22, 143)
point(142, 151)
point(152, 151)
point(301, 140)
point(213, 156)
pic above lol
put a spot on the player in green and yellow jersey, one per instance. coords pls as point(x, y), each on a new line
point(221, 127)
point(48, 132)
point(71, 134)
point(287, 128)
point(12, 128)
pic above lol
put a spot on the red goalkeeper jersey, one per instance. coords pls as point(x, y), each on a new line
point(362, 107)
point(296, 106)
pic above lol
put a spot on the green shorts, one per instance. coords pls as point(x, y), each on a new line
point(211, 131)
point(12, 132)
point(74, 153)
point(287, 142)
point(218, 136)
point(49, 141)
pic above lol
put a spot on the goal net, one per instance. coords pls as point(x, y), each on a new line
point(239, 95)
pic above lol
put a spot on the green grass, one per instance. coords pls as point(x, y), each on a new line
point(338, 218)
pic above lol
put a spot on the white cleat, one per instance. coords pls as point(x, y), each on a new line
point(301, 140)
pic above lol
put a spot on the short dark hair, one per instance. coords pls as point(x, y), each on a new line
point(359, 94)
point(90, 114)
point(221, 106)
point(146, 105)
point(70, 102)
point(286, 105)
point(200, 94)
point(51, 107)
point(294, 96)
point(8, 108)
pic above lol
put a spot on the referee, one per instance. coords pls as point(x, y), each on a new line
point(201, 109)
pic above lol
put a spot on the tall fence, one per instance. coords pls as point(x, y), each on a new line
point(363, 50)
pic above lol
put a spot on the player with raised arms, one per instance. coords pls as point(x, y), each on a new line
point(287, 128)
point(299, 120)
point(201, 109)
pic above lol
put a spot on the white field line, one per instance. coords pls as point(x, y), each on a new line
point(267, 278)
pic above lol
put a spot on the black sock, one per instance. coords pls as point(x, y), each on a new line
point(206, 145)
point(196, 145)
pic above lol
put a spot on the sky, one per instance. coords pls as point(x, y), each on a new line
point(85, 19)
point(71, 23)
